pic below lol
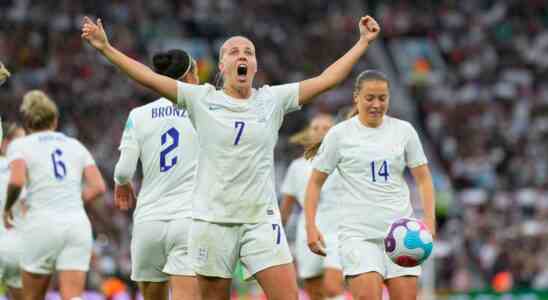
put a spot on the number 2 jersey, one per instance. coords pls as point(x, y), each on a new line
point(55, 167)
point(235, 178)
point(168, 151)
point(371, 163)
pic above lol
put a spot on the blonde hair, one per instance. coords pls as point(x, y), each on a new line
point(39, 111)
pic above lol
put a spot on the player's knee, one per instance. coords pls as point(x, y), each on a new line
point(333, 289)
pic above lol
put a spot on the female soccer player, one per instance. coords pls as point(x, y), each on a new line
point(235, 213)
point(371, 151)
point(322, 276)
point(10, 273)
point(162, 137)
point(51, 167)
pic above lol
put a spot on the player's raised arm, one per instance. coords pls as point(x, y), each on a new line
point(339, 70)
point(95, 35)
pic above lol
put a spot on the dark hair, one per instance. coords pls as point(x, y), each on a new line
point(367, 75)
point(173, 63)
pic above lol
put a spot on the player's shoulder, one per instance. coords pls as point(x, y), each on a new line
point(342, 127)
point(143, 109)
point(400, 125)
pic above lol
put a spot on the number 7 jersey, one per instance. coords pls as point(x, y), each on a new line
point(235, 178)
point(55, 167)
point(168, 150)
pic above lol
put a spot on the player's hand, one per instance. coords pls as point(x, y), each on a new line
point(8, 219)
point(430, 222)
point(124, 196)
point(369, 28)
point(315, 239)
point(95, 34)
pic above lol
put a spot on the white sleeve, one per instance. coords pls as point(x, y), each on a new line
point(287, 96)
point(328, 156)
point(15, 151)
point(289, 183)
point(188, 94)
point(414, 154)
point(88, 159)
point(130, 136)
point(127, 163)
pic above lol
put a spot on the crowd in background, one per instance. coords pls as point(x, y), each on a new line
point(485, 115)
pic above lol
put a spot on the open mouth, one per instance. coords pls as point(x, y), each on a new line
point(242, 71)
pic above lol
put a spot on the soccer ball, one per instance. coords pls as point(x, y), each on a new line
point(408, 242)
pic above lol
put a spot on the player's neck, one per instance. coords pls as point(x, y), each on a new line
point(237, 92)
point(367, 122)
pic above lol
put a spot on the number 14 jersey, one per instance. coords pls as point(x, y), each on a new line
point(168, 149)
point(235, 178)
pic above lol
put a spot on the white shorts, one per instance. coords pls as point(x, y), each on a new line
point(363, 256)
point(311, 265)
point(10, 274)
point(217, 247)
point(49, 245)
point(160, 249)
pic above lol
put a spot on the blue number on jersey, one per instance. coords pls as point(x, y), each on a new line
point(174, 134)
point(382, 172)
point(277, 230)
point(239, 125)
point(59, 168)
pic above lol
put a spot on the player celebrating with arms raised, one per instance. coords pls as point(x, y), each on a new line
point(235, 207)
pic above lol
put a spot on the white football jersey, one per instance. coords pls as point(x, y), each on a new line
point(371, 163)
point(235, 178)
point(55, 166)
point(296, 182)
point(168, 150)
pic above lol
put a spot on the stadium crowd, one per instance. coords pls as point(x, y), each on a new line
point(486, 115)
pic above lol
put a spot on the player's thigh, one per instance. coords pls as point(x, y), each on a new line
point(403, 287)
point(148, 255)
point(71, 284)
point(366, 286)
point(184, 287)
point(333, 282)
point(179, 261)
point(314, 287)
point(35, 286)
point(279, 282)
point(75, 255)
point(214, 288)
point(154, 290)
point(214, 249)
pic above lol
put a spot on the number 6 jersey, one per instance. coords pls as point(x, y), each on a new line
point(371, 162)
point(235, 178)
point(55, 167)
point(168, 148)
